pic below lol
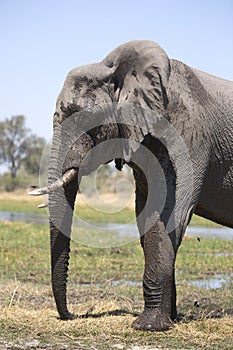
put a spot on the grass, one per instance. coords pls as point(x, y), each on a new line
point(198, 260)
point(109, 329)
point(28, 316)
point(19, 202)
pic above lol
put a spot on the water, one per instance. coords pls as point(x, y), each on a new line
point(124, 230)
point(35, 218)
point(215, 282)
point(210, 232)
point(117, 283)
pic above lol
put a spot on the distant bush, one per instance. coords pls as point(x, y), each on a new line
point(21, 181)
point(106, 179)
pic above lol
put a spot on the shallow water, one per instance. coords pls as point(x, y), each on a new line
point(224, 233)
point(112, 283)
point(215, 282)
point(35, 218)
point(124, 230)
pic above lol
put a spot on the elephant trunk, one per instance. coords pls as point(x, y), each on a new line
point(61, 206)
point(68, 162)
point(61, 213)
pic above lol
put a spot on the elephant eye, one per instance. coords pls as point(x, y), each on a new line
point(89, 104)
point(73, 107)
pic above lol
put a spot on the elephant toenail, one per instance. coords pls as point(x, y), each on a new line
point(148, 327)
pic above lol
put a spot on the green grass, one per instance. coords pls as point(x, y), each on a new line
point(198, 260)
point(24, 252)
point(28, 311)
point(25, 256)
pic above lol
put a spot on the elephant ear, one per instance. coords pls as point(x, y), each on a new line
point(141, 71)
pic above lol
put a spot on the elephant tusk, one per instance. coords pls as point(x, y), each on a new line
point(39, 191)
point(43, 205)
point(66, 178)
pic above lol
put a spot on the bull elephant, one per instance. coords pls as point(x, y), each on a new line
point(174, 126)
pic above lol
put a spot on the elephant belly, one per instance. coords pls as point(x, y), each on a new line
point(216, 206)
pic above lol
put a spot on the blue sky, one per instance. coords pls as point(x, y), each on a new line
point(42, 40)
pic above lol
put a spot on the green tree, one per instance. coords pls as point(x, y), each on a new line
point(34, 147)
point(18, 146)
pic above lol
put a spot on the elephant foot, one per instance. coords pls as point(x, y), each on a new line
point(152, 320)
point(68, 316)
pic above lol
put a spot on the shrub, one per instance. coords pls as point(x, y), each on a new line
point(9, 184)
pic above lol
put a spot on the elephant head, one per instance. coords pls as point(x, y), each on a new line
point(90, 111)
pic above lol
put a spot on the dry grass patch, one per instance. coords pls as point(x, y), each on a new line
point(19, 201)
point(208, 333)
point(28, 315)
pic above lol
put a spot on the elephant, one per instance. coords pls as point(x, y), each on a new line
point(173, 125)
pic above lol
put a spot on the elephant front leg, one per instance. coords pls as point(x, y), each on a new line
point(158, 281)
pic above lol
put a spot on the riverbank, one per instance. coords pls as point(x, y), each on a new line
point(100, 293)
point(86, 209)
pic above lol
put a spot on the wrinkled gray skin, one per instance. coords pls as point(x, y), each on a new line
point(199, 106)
